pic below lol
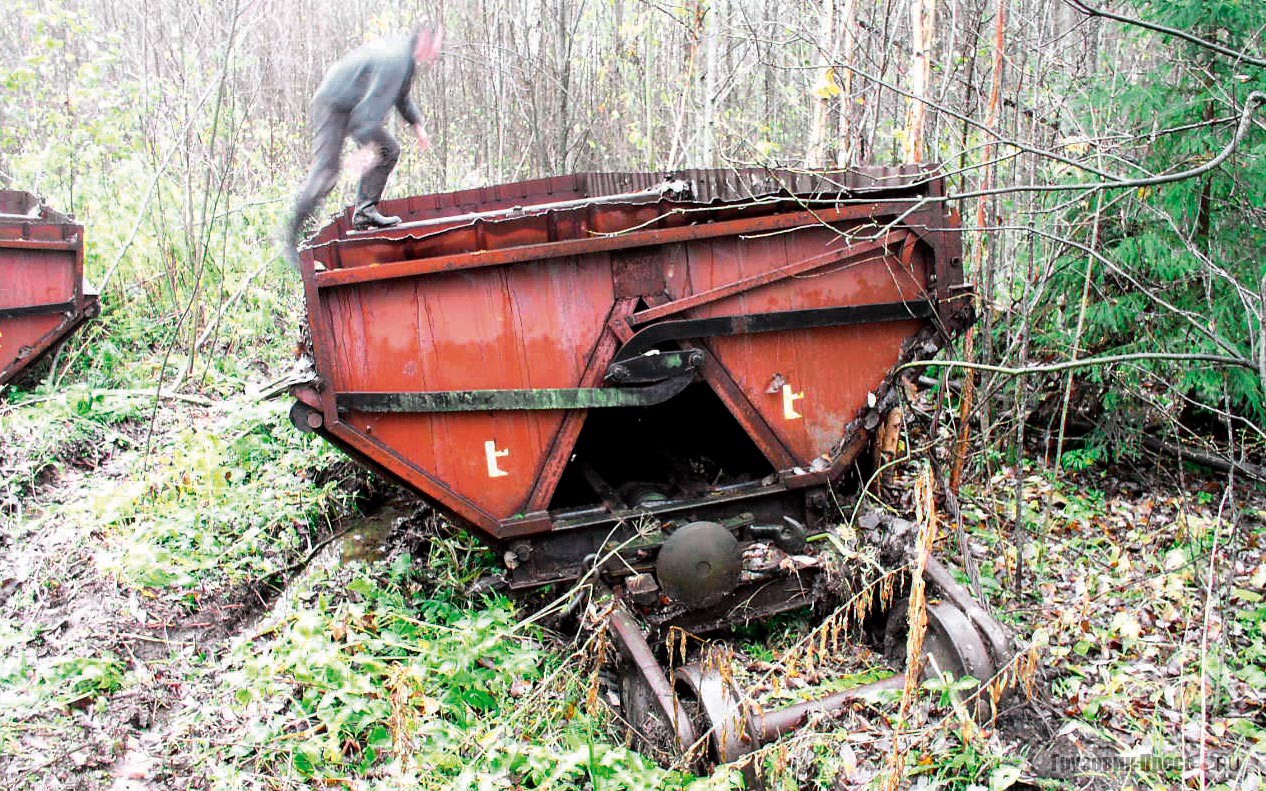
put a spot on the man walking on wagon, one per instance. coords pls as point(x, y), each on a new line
point(353, 101)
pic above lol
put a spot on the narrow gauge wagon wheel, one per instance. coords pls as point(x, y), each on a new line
point(952, 646)
point(653, 733)
point(305, 418)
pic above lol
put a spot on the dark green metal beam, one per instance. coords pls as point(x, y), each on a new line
point(497, 400)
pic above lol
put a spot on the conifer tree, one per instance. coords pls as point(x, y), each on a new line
point(1182, 266)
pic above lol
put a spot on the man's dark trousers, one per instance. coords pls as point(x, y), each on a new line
point(329, 130)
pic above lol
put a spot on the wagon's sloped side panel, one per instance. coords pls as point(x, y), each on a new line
point(532, 326)
point(807, 384)
point(468, 350)
point(43, 296)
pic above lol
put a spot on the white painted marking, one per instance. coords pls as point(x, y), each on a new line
point(789, 400)
point(492, 454)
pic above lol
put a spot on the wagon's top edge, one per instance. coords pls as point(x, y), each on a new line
point(704, 186)
point(20, 206)
point(707, 184)
point(730, 184)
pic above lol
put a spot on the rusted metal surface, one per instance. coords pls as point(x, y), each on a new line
point(699, 564)
point(528, 400)
point(647, 383)
point(731, 287)
point(737, 187)
point(726, 717)
point(994, 634)
point(651, 709)
point(537, 240)
point(674, 189)
point(954, 647)
point(43, 295)
point(771, 725)
point(735, 726)
point(511, 314)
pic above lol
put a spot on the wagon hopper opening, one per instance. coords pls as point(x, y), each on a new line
point(43, 294)
point(647, 381)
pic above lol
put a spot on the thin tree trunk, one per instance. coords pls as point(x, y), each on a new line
point(983, 266)
point(816, 155)
point(922, 22)
point(847, 147)
point(707, 129)
point(1082, 306)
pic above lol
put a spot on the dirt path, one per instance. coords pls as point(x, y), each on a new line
point(93, 668)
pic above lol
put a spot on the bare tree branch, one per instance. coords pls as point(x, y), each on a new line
point(1086, 362)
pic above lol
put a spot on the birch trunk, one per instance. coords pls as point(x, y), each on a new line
point(922, 21)
point(849, 128)
point(816, 155)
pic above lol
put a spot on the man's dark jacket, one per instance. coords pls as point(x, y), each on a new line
point(368, 82)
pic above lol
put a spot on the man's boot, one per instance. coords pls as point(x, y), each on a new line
point(367, 218)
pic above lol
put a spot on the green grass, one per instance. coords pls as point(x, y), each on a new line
point(385, 675)
point(220, 500)
point(378, 675)
point(68, 429)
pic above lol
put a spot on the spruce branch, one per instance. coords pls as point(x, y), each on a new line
point(1251, 103)
point(1240, 56)
point(1197, 322)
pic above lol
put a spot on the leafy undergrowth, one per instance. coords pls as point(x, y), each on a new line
point(1145, 597)
point(135, 647)
point(377, 677)
point(207, 500)
point(1141, 601)
point(76, 430)
point(115, 557)
point(220, 504)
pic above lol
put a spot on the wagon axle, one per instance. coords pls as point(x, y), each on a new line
point(697, 712)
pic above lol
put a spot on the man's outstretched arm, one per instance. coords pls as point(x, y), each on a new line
point(408, 110)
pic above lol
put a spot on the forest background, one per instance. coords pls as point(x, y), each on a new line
point(1111, 177)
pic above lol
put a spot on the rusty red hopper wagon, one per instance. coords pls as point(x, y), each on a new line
point(43, 295)
point(654, 379)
